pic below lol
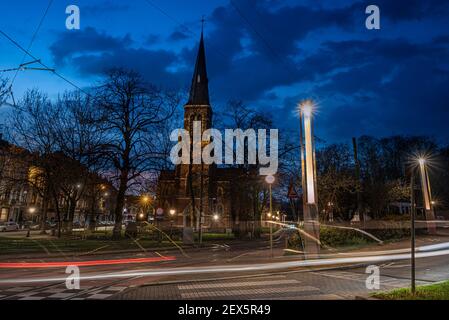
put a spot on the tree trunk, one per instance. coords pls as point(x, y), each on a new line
point(44, 214)
point(71, 216)
point(190, 182)
point(116, 234)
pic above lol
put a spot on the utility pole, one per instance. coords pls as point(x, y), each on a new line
point(357, 177)
point(200, 231)
point(412, 231)
point(271, 224)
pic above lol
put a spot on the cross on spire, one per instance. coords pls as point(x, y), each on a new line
point(203, 20)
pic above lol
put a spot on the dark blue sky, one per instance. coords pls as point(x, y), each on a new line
point(268, 53)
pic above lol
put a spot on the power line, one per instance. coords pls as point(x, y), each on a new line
point(41, 63)
point(165, 13)
point(182, 25)
point(265, 42)
point(33, 38)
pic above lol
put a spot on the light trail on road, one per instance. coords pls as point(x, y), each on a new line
point(244, 268)
point(46, 265)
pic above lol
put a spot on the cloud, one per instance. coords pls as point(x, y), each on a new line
point(369, 83)
point(92, 53)
point(85, 41)
point(178, 36)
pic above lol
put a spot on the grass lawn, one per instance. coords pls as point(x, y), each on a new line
point(94, 242)
point(439, 291)
point(216, 236)
point(74, 246)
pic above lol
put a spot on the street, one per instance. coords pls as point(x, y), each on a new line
point(223, 271)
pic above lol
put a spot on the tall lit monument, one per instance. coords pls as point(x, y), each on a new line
point(308, 165)
point(427, 195)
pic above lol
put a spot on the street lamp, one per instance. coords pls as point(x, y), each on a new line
point(216, 217)
point(412, 232)
point(270, 180)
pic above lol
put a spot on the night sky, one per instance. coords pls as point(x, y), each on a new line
point(270, 54)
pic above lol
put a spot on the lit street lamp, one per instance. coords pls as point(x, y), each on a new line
point(172, 216)
point(270, 180)
point(412, 232)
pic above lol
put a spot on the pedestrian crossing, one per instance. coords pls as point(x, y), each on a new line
point(386, 282)
point(275, 287)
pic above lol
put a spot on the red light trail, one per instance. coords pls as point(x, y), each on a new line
point(62, 264)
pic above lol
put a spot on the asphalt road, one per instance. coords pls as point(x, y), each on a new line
point(163, 280)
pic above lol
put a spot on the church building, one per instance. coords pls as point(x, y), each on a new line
point(211, 190)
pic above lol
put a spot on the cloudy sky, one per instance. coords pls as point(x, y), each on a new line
point(269, 53)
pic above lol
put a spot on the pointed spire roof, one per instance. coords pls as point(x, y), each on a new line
point(199, 92)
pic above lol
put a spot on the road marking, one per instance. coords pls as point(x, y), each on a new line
point(239, 256)
point(236, 284)
point(246, 292)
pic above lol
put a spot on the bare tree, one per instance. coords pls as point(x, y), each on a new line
point(32, 130)
point(80, 138)
point(131, 113)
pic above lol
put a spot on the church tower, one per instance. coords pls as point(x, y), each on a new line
point(197, 109)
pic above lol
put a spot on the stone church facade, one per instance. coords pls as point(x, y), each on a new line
point(211, 190)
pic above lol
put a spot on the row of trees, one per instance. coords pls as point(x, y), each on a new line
point(112, 132)
point(384, 176)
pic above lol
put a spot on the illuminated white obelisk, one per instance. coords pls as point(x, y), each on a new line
point(311, 223)
point(310, 175)
point(427, 196)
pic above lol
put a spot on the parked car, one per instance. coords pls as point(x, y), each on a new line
point(9, 226)
point(77, 225)
point(31, 225)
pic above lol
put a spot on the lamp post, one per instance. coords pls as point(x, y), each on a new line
point(172, 216)
point(270, 180)
point(412, 232)
point(427, 195)
point(308, 170)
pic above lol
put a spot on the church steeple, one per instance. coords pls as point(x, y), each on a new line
point(199, 92)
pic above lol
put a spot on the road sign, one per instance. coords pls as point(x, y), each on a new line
point(292, 194)
point(160, 211)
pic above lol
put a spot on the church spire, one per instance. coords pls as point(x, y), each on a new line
point(199, 92)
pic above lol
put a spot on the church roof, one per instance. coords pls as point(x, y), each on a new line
point(167, 175)
point(199, 92)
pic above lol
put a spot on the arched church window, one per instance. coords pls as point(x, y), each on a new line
point(220, 209)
